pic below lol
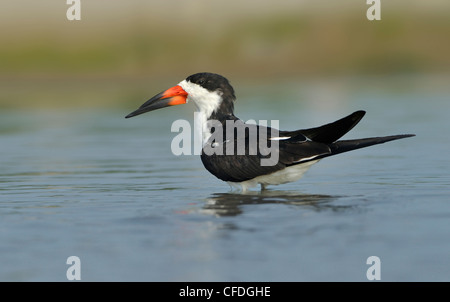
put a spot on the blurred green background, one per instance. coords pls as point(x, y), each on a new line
point(121, 52)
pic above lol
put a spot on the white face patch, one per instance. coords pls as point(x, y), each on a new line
point(206, 102)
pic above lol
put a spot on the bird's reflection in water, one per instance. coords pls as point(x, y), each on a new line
point(230, 204)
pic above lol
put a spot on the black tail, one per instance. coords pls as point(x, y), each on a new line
point(348, 145)
point(331, 132)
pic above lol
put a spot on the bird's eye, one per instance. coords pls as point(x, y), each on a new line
point(201, 81)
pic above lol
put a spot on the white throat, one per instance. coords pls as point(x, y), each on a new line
point(205, 101)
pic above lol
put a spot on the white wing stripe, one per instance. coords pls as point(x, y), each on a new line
point(279, 138)
point(306, 158)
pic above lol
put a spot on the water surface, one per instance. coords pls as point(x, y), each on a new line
point(92, 184)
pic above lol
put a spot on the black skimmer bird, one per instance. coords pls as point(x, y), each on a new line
point(296, 150)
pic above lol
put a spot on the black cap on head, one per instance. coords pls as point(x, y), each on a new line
point(213, 82)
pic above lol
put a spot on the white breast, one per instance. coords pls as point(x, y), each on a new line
point(289, 174)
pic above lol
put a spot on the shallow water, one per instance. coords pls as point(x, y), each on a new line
point(92, 184)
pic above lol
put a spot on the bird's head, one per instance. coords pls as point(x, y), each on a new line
point(210, 92)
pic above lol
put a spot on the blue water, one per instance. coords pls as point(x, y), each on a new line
point(91, 184)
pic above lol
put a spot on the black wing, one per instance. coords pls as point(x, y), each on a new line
point(331, 132)
point(252, 150)
point(239, 157)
